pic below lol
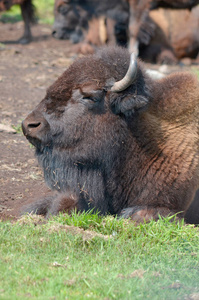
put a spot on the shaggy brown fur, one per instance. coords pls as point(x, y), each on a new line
point(28, 14)
point(164, 35)
point(159, 36)
point(133, 153)
point(93, 22)
point(178, 29)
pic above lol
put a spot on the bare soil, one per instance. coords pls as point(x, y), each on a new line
point(25, 73)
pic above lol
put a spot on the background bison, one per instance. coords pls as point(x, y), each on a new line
point(95, 22)
point(28, 14)
point(163, 35)
point(160, 35)
point(175, 36)
point(120, 144)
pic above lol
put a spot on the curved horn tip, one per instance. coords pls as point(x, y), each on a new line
point(129, 78)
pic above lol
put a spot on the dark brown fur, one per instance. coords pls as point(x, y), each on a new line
point(174, 3)
point(28, 15)
point(177, 30)
point(164, 35)
point(132, 153)
point(93, 22)
point(158, 36)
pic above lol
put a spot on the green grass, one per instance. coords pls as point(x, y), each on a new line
point(101, 258)
point(18, 128)
point(195, 71)
point(44, 12)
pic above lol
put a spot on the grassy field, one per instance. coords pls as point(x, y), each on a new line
point(86, 256)
point(44, 12)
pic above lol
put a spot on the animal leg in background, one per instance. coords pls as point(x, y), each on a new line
point(27, 11)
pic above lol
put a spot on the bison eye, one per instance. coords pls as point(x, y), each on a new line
point(95, 96)
point(90, 98)
point(63, 9)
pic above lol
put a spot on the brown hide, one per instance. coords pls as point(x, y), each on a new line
point(180, 30)
point(132, 152)
point(95, 36)
point(96, 22)
point(100, 32)
point(163, 35)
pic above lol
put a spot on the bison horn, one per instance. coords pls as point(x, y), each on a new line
point(129, 78)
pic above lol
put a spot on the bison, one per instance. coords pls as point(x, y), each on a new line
point(94, 22)
point(162, 36)
point(111, 139)
point(28, 15)
point(180, 37)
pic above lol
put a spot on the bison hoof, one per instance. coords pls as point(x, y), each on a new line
point(24, 40)
point(141, 214)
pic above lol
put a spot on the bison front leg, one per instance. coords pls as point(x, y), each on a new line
point(52, 205)
point(63, 203)
point(141, 214)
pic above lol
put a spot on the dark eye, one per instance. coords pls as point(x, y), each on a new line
point(90, 98)
point(96, 96)
point(63, 9)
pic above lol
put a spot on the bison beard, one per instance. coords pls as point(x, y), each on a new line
point(127, 149)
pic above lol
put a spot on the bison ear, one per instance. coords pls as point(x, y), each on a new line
point(128, 104)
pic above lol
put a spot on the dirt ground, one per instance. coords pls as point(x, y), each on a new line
point(25, 73)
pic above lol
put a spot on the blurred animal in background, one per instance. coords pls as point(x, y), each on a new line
point(141, 29)
point(173, 3)
point(94, 23)
point(157, 35)
point(111, 139)
point(164, 35)
point(28, 15)
point(70, 21)
point(175, 36)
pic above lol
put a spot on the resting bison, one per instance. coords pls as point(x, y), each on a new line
point(159, 36)
point(177, 31)
point(164, 35)
point(117, 141)
point(95, 22)
point(27, 11)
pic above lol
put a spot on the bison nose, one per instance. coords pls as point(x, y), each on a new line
point(54, 33)
point(35, 126)
point(57, 34)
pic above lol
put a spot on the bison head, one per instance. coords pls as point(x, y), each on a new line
point(70, 21)
point(79, 128)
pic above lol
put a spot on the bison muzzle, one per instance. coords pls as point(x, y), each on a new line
point(111, 139)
